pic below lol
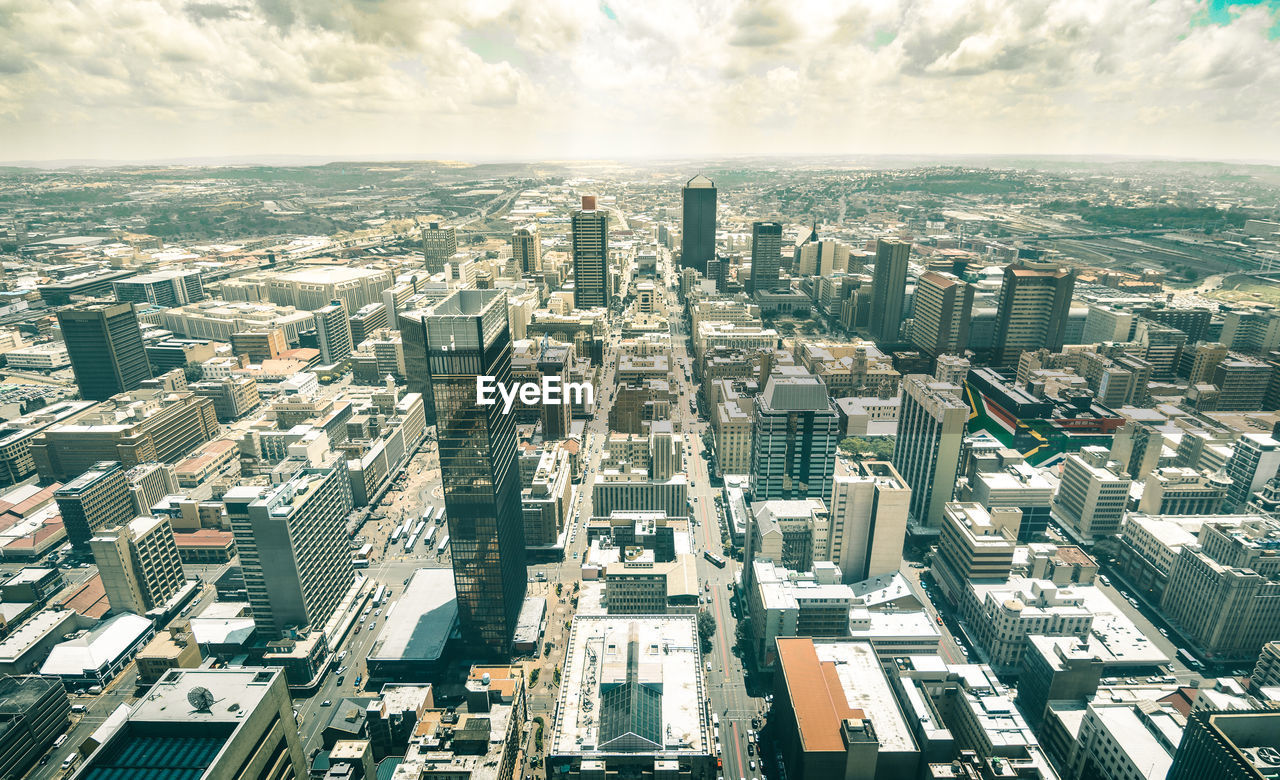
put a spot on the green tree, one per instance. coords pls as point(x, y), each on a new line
point(706, 628)
point(194, 372)
point(880, 447)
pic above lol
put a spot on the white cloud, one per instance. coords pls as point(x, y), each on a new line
point(503, 78)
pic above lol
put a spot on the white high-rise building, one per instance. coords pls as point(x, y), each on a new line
point(869, 507)
point(926, 452)
point(1093, 493)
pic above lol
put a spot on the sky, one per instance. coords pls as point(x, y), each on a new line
point(563, 79)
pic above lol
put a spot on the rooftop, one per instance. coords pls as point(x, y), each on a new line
point(419, 623)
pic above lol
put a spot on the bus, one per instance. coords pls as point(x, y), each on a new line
point(395, 535)
point(430, 538)
point(409, 543)
point(365, 551)
point(439, 515)
point(716, 560)
point(379, 595)
point(1189, 660)
point(417, 529)
point(444, 542)
point(360, 563)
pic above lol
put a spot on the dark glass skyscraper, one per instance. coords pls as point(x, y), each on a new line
point(766, 256)
point(698, 231)
point(468, 336)
point(104, 344)
point(889, 289)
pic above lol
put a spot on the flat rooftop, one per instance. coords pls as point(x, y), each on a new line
point(420, 621)
point(640, 674)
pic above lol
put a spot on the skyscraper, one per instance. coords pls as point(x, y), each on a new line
point(104, 344)
point(1227, 745)
point(766, 256)
point(333, 332)
point(292, 540)
point(926, 451)
point(698, 231)
point(98, 498)
point(869, 507)
point(526, 248)
point(940, 318)
point(1034, 302)
point(468, 337)
point(139, 564)
point(590, 255)
point(793, 445)
point(889, 289)
point(439, 245)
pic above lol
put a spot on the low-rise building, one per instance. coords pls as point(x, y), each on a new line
point(34, 711)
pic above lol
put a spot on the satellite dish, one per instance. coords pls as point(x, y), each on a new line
point(200, 698)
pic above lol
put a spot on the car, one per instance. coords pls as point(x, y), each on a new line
point(751, 750)
point(1164, 632)
point(327, 703)
point(359, 679)
point(957, 641)
point(1103, 579)
point(341, 669)
point(340, 679)
point(752, 764)
point(60, 741)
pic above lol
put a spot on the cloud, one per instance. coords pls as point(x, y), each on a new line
point(504, 78)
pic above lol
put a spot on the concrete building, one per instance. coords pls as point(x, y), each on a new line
point(104, 344)
point(1267, 671)
point(34, 711)
point(1127, 740)
point(439, 245)
point(293, 550)
point(221, 320)
point(164, 288)
point(975, 544)
point(1222, 590)
point(526, 248)
point(98, 498)
point(869, 508)
point(412, 641)
point(1228, 746)
point(590, 246)
point(143, 426)
point(314, 287)
point(835, 714)
point(1242, 383)
point(926, 452)
point(172, 649)
point(222, 722)
point(1175, 490)
point(479, 740)
point(98, 656)
point(1255, 459)
point(638, 584)
point(1032, 313)
point(259, 344)
point(1093, 494)
point(545, 502)
point(1056, 668)
point(233, 397)
point(139, 564)
point(794, 439)
point(940, 315)
point(783, 602)
point(333, 332)
point(794, 534)
point(38, 357)
point(632, 701)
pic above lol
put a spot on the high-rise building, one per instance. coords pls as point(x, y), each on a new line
point(292, 540)
point(98, 498)
point(940, 314)
point(526, 248)
point(889, 289)
point(439, 245)
point(1093, 493)
point(766, 256)
point(1034, 302)
point(869, 507)
point(698, 231)
point(139, 564)
point(1228, 745)
point(333, 332)
point(590, 255)
point(104, 344)
point(34, 711)
point(204, 724)
point(370, 318)
point(793, 447)
point(467, 337)
point(926, 452)
point(1255, 458)
point(259, 344)
point(162, 288)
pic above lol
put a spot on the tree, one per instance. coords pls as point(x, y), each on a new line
point(706, 628)
point(194, 372)
point(881, 447)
